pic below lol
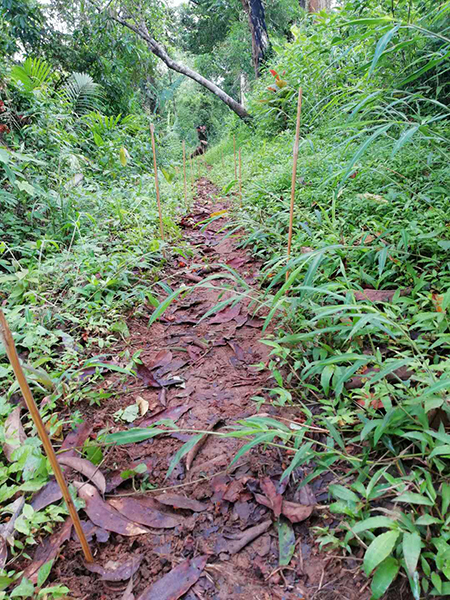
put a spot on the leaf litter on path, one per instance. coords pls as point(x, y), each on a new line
point(114, 570)
point(86, 468)
point(104, 515)
point(145, 511)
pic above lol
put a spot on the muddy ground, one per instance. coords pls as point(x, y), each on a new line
point(207, 531)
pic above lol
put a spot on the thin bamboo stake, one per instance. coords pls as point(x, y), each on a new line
point(235, 164)
point(240, 177)
point(192, 174)
point(8, 341)
point(161, 228)
point(294, 173)
point(184, 175)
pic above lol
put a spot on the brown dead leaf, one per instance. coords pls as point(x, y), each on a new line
point(233, 491)
point(86, 468)
point(48, 550)
point(358, 381)
point(143, 405)
point(170, 413)
point(177, 501)
point(14, 433)
point(104, 515)
point(114, 570)
point(128, 593)
point(160, 360)
point(226, 315)
point(176, 583)
point(144, 511)
point(147, 376)
point(275, 499)
point(50, 493)
point(3, 552)
point(296, 512)
point(76, 439)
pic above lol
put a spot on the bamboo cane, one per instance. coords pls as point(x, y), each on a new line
point(294, 173)
point(7, 339)
point(184, 175)
point(240, 177)
point(235, 164)
point(192, 174)
point(161, 228)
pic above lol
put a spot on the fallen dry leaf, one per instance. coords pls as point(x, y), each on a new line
point(14, 433)
point(104, 515)
point(114, 570)
point(177, 501)
point(143, 405)
point(296, 512)
point(75, 439)
point(86, 468)
point(176, 583)
point(48, 550)
point(50, 493)
point(144, 511)
point(147, 376)
point(170, 413)
point(275, 499)
point(226, 315)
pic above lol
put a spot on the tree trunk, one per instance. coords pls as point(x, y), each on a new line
point(159, 51)
point(260, 38)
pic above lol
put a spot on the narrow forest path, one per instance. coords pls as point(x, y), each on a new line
point(206, 522)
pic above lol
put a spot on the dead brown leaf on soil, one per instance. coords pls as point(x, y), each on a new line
point(176, 583)
point(104, 515)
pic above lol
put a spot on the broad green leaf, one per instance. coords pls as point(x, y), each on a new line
point(339, 491)
point(381, 46)
point(413, 498)
point(25, 589)
point(183, 451)
point(335, 434)
point(286, 541)
point(259, 439)
point(440, 450)
point(411, 551)
point(165, 305)
point(379, 550)
point(384, 576)
point(445, 497)
point(373, 523)
point(44, 572)
point(436, 581)
point(123, 156)
point(132, 436)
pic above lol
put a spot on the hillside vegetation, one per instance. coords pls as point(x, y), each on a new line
point(356, 318)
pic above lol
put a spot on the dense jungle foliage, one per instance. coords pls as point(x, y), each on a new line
point(361, 337)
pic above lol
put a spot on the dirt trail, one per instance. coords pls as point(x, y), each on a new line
point(214, 361)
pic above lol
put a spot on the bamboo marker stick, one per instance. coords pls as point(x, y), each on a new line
point(7, 339)
point(161, 228)
point(235, 165)
point(294, 173)
point(240, 177)
point(192, 175)
point(184, 175)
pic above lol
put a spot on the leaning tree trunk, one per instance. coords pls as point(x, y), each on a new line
point(159, 51)
point(258, 29)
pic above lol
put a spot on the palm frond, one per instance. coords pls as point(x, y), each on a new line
point(83, 93)
point(32, 74)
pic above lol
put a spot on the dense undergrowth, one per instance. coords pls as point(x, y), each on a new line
point(362, 337)
point(361, 343)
